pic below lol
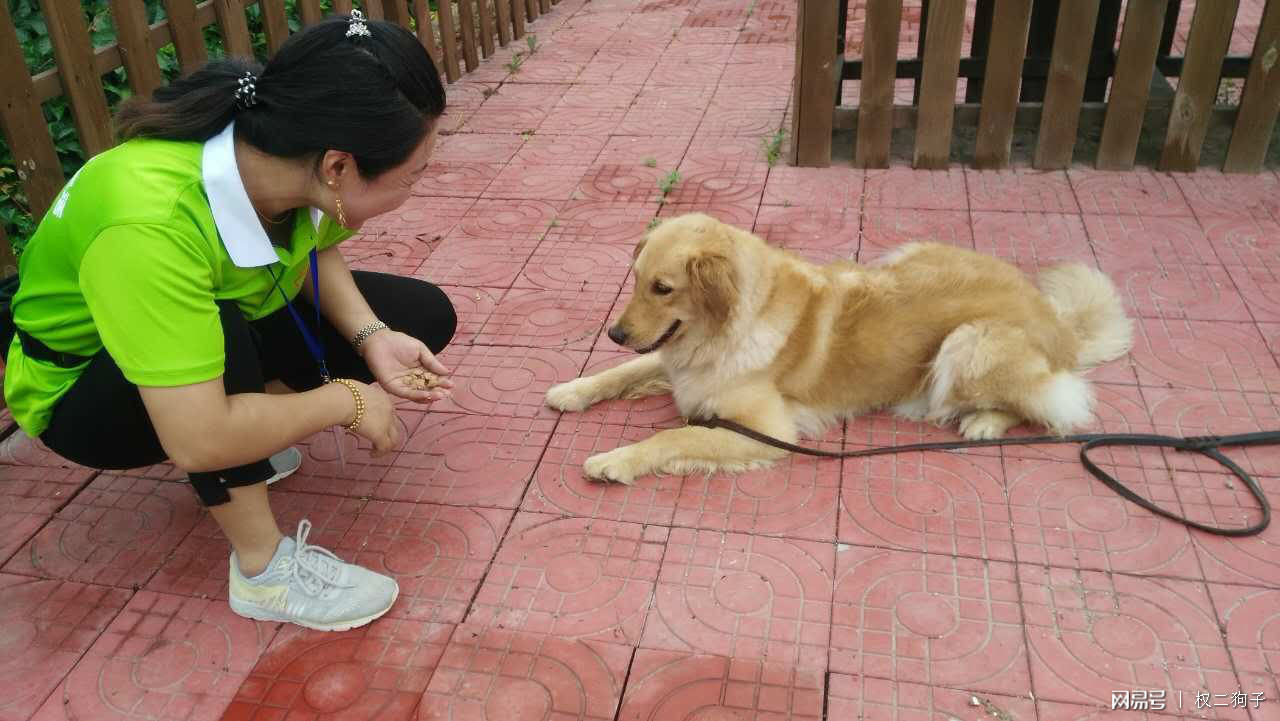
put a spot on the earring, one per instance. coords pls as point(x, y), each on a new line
point(342, 217)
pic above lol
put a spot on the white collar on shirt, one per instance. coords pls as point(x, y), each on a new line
point(246, 242)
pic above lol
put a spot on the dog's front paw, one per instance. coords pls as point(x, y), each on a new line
point(575, 395)
point(986, 425)
point(616, 466)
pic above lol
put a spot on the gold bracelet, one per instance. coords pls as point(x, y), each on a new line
point(359, 398)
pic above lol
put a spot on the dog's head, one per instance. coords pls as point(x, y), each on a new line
point(686, 284)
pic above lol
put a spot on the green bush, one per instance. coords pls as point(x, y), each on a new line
point(33, 35)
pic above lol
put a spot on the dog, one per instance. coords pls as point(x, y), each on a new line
point(735, 328)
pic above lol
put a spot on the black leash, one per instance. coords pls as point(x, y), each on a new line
point(1204, 445)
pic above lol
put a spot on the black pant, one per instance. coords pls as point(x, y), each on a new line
point(102, 423)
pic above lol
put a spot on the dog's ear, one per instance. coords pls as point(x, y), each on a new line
point(713, 283)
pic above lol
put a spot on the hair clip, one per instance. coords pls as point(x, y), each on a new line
point(357, 26)
point(247, 91)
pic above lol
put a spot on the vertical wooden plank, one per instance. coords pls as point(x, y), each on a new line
point(23, 123)
point(448, 40)
point(310, 11)
point(1007, 48)
point(8, 268)
point(1198, 88)
point(545, 6)
point(1261, 101)
point(342, 7)
point(875, 94)
point(133, 34)
point(235, 28)
point(467, 22)
point(517, 18)
point(372, 9)
point(938, 83)
point(275, 23)
point(814, 83)
point(980, 46)
point(486, 27)
point(1064, 89)
point(71, 46)
point(426, 30)
point(503, 8)
point(395, 11)
point(1131, 87)
point(531, 9)
point(188, 36)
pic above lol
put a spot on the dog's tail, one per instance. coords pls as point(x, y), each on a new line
point(1089, 304)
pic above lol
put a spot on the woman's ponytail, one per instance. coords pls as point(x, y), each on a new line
point(195, 107)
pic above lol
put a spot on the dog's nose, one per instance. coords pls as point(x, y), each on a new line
point(618, 335)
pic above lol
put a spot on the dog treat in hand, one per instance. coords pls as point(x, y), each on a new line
point(422, 380)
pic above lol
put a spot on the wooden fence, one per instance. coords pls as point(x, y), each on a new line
point(1068, 78)
point(456, 42)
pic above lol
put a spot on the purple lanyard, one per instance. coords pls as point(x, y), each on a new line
point(314, 345)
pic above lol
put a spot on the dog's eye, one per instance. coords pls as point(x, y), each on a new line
point(660, 288)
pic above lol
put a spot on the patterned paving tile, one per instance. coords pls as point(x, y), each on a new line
point(617, 96)
point(500, 380)
point(563, 263)
point(438, 554)
point(928, 619)
point(458, 180)
point(602, 221)
point(505, 219)
point(48, 625)
point(1118, 408)
point(426, 219)
point(1032, 241)
point(1259, 287)
point(559, 486)
point(1184, 412)
point(1149, 241)
point(338, 463)
point(864, 697)
point(918, 190)
point(656, 151)
point(665, 121)
point(116, 531)
point(675, 686)
point(567, 120)
point(198, 566)
point(709, 151)
point(1244, 242)
point(1219, 499)
point(744, 597)
point(1133, 192)
point(719, 184)
point(527, 181)
point(561, 319)
point(379, 671)
point(626, 183)
point(464, 459)
point(491, 675)
point(477, 262)
point(740, 214)
point(162, 657)
point(829, 187)
point(1033, 191)
point(941, 503)
point(1063, 517)
point(1092, 633)
point(572, 578)
point(29, 497)
point(795, 498)
point(1177, 290)
point(805, 227)
point(1211, 193)
point(560, 150)
point(884, 229)
point(1201, 354)
point(476, 147)
point(389, 252)
point(1249, 617)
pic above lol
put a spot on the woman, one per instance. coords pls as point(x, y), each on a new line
point(165, 302)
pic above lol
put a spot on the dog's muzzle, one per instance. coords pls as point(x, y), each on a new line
point(665, 337)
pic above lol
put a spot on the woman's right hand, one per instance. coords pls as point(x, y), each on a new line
point(380, 426)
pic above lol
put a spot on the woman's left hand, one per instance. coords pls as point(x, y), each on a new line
point(393, 357)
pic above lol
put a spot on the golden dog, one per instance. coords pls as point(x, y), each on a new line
point(737, 329)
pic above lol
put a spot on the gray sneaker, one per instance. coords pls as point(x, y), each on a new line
point(311, 587)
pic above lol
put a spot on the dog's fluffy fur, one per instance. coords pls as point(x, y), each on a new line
point(754, 334)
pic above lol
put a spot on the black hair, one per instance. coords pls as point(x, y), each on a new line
point(375, 96)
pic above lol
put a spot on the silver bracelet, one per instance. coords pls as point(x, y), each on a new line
point(363, 334)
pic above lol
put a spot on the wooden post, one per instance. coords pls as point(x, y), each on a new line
point(235, 28)
point(188, 35)
point(938, 83)
point(449, 40)
point(1261, 101)
point(517, 18)
point(80, 79)
point(1068, 70)
point(311, 12)
point(486, 27)
point(1000, 86)
point(396, 11)
point(426, 30)
point(342, 7)
point(275, 23)
point(503, 8)
point(814, 83)
point(1131, 87)
point(133, 34)
point(1198, 88)
point(23, 123)
point(879, 71)
point(466, 18)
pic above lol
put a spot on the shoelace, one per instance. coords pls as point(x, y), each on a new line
point(314, 568)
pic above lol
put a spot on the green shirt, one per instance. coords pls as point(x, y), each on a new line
point(133, 255)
